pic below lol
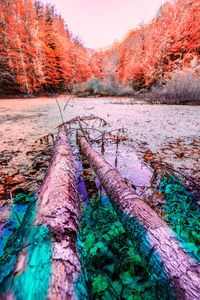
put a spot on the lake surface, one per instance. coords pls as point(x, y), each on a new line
point(164, 132)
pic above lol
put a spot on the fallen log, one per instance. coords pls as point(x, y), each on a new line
point(176, 273)
point(48, 265)
point(58, 210)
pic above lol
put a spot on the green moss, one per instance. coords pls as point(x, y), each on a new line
point(182, 213)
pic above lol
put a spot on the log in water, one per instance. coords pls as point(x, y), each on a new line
point(58, 210)
point(163, 255)
point(48, 265)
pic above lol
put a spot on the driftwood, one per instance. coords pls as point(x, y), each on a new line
point(154, 240)
point(58, 210)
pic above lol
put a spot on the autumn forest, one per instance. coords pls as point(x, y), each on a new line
point(39, 55)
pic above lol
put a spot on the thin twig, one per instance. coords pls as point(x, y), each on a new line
point(58, 106)
point(11, 197)
point(60, 110)
point(75, 120)
point(106, 132)
point(168, 167)
point(70, 97)
point(81, 127)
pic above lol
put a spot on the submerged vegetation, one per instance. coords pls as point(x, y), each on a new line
point(112, 269)
point(182, 212)
point(14, 233)
point(18, 233)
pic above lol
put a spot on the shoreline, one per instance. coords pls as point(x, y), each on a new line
point(139, 99)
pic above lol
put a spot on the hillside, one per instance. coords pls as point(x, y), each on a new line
point(39, 55)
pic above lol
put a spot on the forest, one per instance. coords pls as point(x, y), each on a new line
point(39, 55)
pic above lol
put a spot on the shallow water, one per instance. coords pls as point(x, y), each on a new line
point(149, 131)
point(16, 213)
point(171, 133)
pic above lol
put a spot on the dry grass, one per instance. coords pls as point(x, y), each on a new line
point(182, 88)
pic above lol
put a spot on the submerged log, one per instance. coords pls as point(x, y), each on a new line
point(47, 266)
point(58, 210)
point(166, 260)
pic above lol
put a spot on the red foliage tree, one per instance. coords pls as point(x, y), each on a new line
point(150, 53)
point(37, 52)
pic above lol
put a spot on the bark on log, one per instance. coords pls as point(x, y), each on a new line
point(155, 241)
point(48, 265)
point(58, 210)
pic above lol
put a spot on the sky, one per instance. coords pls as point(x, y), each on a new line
point(99, 23)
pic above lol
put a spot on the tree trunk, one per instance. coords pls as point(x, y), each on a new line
point(58, 210)
point(26, 85)
point(163, 255)
point(48, 265)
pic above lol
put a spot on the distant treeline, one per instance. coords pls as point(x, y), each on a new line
point(150, 53)
point(39, 54)
point(165, 52)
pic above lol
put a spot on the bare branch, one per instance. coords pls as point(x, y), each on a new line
point(169, 167)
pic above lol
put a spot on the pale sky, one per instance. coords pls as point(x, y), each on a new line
point(101, 22)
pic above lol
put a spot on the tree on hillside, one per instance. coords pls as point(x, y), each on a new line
point(151, 53)
point(37, 52)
